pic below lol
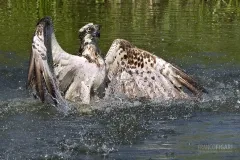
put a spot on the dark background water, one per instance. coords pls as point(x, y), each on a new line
point(201, 36)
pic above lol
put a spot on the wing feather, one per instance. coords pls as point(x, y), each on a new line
point(147, 75)
point(30, 70)
point(39, 78)
point(66, 79)
point(189, 82)
point(40, 75)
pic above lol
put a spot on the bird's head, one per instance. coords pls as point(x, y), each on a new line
point(89, 33)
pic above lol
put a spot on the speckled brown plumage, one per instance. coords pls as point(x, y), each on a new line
point(142, 74)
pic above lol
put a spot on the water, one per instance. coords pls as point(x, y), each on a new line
point(202, 37)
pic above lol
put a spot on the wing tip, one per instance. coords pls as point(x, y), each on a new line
point(191, 84)
point(46, 19)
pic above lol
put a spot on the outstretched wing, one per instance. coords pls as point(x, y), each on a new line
point(40, 74)
point(142, 74)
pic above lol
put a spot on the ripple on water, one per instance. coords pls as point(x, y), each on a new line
point(104, 127)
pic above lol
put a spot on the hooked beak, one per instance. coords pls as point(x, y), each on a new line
point(97, 31)
point(97, 34)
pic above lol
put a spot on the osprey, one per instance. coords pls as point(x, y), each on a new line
point(129, 70)
point(61, 76)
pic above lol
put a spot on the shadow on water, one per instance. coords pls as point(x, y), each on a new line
point(200, 36)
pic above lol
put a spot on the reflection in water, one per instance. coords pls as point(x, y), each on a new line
point(201, 36)
point(152, 2)
point(167, 27)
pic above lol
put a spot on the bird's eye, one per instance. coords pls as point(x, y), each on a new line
point(89, 29)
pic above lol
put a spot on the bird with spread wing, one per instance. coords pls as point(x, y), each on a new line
point(62, 76)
